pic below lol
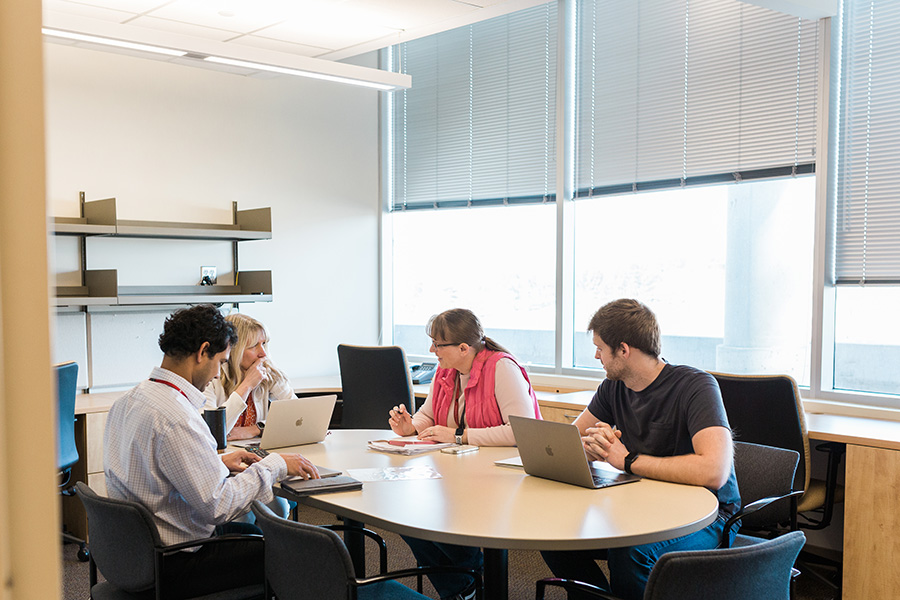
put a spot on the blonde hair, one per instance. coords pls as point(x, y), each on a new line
point(248, 332)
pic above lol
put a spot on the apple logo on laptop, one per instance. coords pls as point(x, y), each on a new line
point(299, 422)
point(549, 451)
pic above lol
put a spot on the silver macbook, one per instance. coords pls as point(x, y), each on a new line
point(295, 422)
point(553, 451)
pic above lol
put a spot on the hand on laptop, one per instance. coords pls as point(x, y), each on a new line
point(601, 442)
point(401, 421)
point(244, 433)
point(300, 466)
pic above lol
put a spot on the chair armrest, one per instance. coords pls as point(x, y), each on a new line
point(753, 507)
point(382, 545)
point(218, 539)
point(419, 571)
point(571, 585)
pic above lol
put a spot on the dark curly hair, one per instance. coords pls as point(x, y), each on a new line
point(186, 329)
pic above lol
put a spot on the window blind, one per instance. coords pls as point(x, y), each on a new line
point(681, 92)
point(477, 127)
point(867, 212)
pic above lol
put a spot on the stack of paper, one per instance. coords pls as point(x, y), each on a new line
point(407, 445)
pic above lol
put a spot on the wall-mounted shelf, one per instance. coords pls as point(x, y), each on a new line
point(100, 289)
point(100, 219)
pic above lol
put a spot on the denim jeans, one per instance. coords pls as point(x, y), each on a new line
point(629, 567)
point(435, 554)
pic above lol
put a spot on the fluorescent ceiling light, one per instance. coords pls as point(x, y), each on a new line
point(71, 35)
point(297, 72)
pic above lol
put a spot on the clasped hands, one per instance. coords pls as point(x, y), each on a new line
point(602, 442)
point(401, 423)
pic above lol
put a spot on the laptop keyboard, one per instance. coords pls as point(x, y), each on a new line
point(603, 481)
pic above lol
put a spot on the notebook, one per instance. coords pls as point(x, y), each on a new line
point(295, 422)
point(554, 451)
point(308, 487)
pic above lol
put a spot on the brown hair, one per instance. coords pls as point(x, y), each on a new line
point(461, 326)
point(627, 321)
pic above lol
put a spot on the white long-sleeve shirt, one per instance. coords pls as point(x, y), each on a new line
point(235, 405)
point(511, 391)
point(158, 451)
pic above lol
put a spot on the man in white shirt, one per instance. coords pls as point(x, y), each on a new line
point(158, 451)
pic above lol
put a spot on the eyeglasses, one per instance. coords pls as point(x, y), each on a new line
point(436, 345)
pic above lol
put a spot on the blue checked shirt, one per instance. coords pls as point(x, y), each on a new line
point(159, 451)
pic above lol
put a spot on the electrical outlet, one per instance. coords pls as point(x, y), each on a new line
point(207, 275)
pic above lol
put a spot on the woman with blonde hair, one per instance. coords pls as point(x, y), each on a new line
point(477, 385)
point(248, 381)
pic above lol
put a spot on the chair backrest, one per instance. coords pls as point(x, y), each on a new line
point(756, 572)
point(122, 539)
point(763, 472)
point(767, 410)
point(66, 381)
point(373, 380)
point(303, 562)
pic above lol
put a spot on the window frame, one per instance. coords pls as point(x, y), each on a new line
point(821, 394)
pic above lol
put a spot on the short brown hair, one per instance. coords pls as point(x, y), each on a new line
point(627, 321)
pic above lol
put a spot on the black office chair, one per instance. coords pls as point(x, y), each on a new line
point(758, 572)
point(374, 379)
point(765, 477)
point(305, 562)
point(126, 548)
point(66, 451)
point(767, 410)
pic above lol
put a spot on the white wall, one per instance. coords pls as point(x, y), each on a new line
point(178, 143)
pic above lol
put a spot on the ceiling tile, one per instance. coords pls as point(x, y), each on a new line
point(132, 6)
point(206, 33)
point(406, 14)
point(85, 10)
point(327, 26)
point(276, 45)
point(242, 16)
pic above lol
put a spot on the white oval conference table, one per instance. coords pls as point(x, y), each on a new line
point(476, 503)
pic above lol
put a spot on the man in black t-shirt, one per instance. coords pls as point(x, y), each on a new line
point(657, 420)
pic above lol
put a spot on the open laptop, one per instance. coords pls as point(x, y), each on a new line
point(295, 422)
point(553, 451)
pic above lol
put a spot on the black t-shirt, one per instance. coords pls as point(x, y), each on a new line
point(662, 419)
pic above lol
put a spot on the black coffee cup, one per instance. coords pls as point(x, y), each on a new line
point(215, 419)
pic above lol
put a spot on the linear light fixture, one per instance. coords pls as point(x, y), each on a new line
point(101, 33)
point(81, 37)
point(287, 71)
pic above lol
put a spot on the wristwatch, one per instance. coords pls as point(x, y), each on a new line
point(261, 426)
point(459, 434)
point(632, 456)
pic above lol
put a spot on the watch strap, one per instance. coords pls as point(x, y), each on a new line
point(632, 456)
point(458, 435)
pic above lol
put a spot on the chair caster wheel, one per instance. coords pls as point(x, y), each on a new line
point(83, 554)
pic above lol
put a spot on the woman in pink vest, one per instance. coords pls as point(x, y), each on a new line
point(478, 384)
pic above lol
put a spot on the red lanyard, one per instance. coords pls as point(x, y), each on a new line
point(171, 385)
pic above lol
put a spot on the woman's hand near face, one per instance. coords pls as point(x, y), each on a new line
point(255, 375)
point(401, 421)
